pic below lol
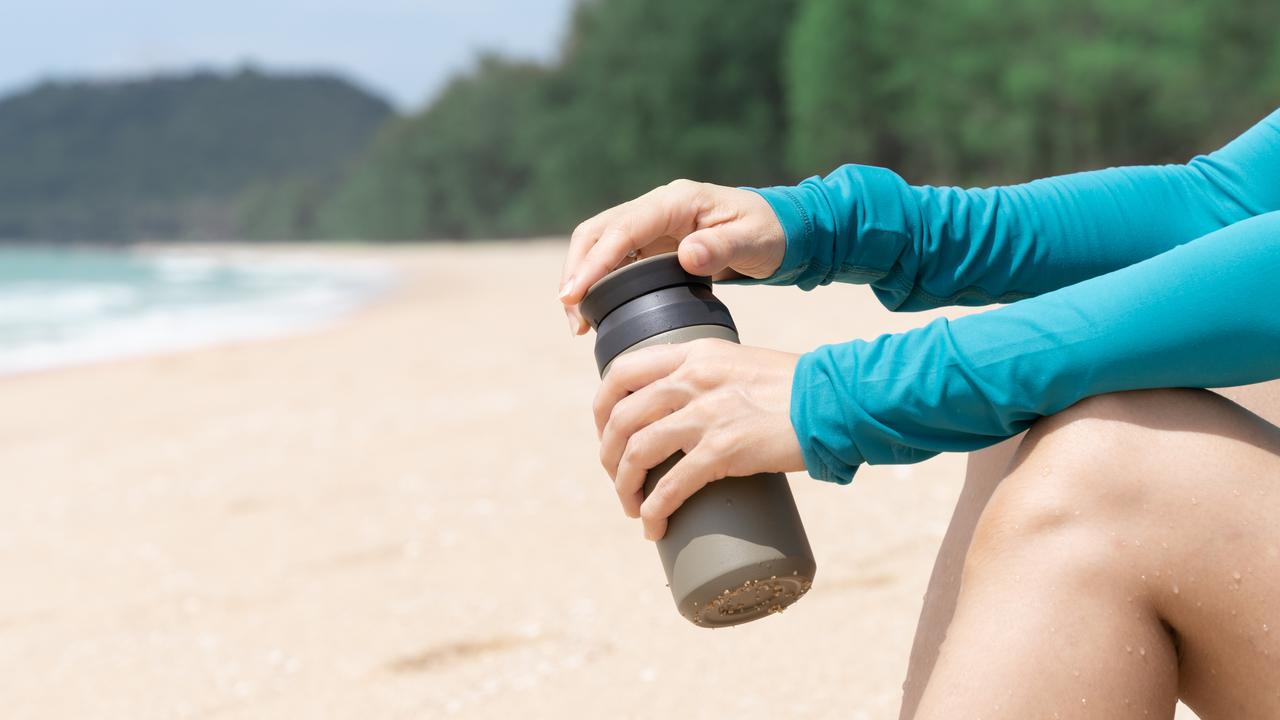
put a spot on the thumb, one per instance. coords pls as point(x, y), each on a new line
point(707, 252)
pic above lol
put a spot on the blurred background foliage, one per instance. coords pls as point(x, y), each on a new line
point(743, 92)
point(203, 156)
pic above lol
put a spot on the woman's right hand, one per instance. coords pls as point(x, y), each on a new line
point(718, 231)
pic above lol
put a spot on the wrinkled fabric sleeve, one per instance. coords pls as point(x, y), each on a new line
point(921, 247)
point(1204, 314)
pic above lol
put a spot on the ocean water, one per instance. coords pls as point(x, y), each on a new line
point(66, 307)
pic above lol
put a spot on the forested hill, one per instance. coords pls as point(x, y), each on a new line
point(201, 156)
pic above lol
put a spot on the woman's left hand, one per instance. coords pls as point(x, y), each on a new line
point(726, 406)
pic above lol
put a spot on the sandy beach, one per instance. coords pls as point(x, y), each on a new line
point(402, 516)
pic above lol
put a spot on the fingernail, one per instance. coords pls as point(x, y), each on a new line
point(567, 287)
point(699, 254)
point(573, 324)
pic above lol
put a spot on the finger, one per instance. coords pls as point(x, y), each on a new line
point(707, 251)
point(667, 211)
point(633, 371)
point(686, 477)
point(646, 450)
point(634, 412)
point(584, 236)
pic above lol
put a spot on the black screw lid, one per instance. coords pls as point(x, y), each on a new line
point(631, 281)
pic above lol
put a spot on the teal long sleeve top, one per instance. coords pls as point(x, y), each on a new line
point(1124, 278)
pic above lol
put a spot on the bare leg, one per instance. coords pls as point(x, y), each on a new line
point(985, 470)
point(1127, 557)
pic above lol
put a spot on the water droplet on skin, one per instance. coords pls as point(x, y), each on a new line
point(1236, 576)
point(1084, 701)
point(1266, 628)
point(1235, 491)
point(1128, 648)
point(1175, 590)
point(1195, 501)
point(1142, 652)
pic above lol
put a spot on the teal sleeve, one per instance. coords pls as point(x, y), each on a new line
point(1203, 314)
point(922, 247)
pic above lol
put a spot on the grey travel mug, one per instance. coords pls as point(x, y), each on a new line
point(735, 551)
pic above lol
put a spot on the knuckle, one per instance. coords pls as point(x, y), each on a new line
point(653, 510)
point(705, 347)
point(599, 402)
point(698, 371)
point(623, 417)
point(712, 445)
point(680, 196)
point(636, 446)
point(717, 451)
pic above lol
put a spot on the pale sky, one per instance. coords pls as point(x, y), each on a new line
point(401, 49)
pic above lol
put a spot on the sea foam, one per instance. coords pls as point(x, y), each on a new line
point(65, 307)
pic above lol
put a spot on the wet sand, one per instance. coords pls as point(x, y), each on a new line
point(401, 516)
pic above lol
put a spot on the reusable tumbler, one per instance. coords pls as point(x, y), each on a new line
point(736, 550)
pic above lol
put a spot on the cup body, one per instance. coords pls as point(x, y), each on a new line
point(736, 550)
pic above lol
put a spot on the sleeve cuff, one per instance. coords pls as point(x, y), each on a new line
point(816, 413)
point(798, 210)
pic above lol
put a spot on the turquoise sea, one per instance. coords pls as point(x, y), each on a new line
point(63, 307)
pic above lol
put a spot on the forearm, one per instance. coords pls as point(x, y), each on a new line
point(922, 247)
point(1200, 315)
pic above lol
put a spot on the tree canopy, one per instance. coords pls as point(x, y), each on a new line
point(759, 92)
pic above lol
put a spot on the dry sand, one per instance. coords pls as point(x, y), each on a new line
point(402, 516)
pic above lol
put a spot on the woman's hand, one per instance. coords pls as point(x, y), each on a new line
point(718, 231)
point(726, 406)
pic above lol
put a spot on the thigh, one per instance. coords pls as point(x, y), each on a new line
point(1212, 555)
point(985, 470)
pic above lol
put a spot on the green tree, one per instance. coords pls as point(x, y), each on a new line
point(646, 91)
point(459, 169)
point(659, 89)
point(986, 91)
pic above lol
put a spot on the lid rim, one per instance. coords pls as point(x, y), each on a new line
point(633, 280)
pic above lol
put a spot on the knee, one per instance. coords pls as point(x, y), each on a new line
point(1072, 483)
